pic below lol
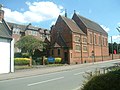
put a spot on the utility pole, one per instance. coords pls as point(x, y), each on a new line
point(112, 47)
point(118, 28)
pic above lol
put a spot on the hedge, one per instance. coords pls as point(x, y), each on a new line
point(58, 60)
point(108, 81)
point(21, 61)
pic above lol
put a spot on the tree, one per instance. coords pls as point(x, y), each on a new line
point(30, 44)
point(115, 47)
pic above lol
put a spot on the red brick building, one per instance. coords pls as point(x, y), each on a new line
point(78, 40)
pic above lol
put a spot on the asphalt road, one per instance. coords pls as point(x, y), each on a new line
point(64, 80)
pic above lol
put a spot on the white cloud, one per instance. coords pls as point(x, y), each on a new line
point(105, 28)
point(53, 23)
point(118, 24)
point(117, 37)
point(38, 11)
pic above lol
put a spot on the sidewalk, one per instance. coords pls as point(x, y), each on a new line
point(39, 71)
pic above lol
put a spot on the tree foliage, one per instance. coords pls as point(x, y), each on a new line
point(30, 44)
point(108, 81)
point(115, 46)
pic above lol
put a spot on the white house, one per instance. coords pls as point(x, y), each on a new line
point(6, 46)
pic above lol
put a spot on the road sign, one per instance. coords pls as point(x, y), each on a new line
point(51, 59)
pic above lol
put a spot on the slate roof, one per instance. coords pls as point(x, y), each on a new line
point(59, 42)
point(72, 25)
point(4, 30)
point(92, 25)
point(27, 27)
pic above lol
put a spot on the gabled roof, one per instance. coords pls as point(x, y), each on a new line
point(59, 42)
point(72, 25)
point(92, 25)
point(4, 30)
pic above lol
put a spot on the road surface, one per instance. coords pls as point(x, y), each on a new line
point(63, 80)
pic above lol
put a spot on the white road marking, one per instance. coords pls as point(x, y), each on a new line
point(82, 72)
point(54, 79)
point(79, 73)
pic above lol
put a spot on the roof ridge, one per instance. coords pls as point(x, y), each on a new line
point(72, 22)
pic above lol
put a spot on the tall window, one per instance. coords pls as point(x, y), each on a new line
point(95, 39)
point(90, 38)
point(77, 47)
point(103, 41)
point(106, 41)
point(99, 40)
point(85, 48)
point(58, 52)
point(84, 40)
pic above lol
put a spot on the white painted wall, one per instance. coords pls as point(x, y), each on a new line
point(5, 56)
point(12, 56)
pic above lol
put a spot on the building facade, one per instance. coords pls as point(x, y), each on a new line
point(23, 30)
point(78, 40)
point(6, 46)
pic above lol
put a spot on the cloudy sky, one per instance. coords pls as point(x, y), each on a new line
point(43, 13)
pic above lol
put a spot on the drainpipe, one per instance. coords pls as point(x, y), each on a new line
point(81, 49)
point(10, 55)
point(101, 47)
point(93, 47)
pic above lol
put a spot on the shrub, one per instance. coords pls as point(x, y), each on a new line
point(108, 81)
point(46, 61)
point(58, 60)
point(38, 61)
point(25, 55)
point(18, 55)
point(22, 61)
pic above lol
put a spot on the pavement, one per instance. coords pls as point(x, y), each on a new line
point(40, 71)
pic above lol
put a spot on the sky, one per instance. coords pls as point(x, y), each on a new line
point(44, 13)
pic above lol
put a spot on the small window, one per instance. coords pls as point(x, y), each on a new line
point(77, 39)
point(52, 52)
point(58, 52)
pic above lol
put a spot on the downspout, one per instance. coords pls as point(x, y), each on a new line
point(10, 55)
point(93, 47)
point(81, 49)
point(101, 47)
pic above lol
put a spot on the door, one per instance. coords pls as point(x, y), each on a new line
point(66, 57)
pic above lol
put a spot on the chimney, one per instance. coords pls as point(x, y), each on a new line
point(66, 13)
point(1, 13)
point(74, 11)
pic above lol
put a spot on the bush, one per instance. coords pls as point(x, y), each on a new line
point(38, 61)
point(46, 61)
point(18, 55)
point(22, 61)
point(108, 81)
point(58, 60)
point(25, 55)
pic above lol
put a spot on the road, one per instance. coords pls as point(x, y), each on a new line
point(64, 80)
